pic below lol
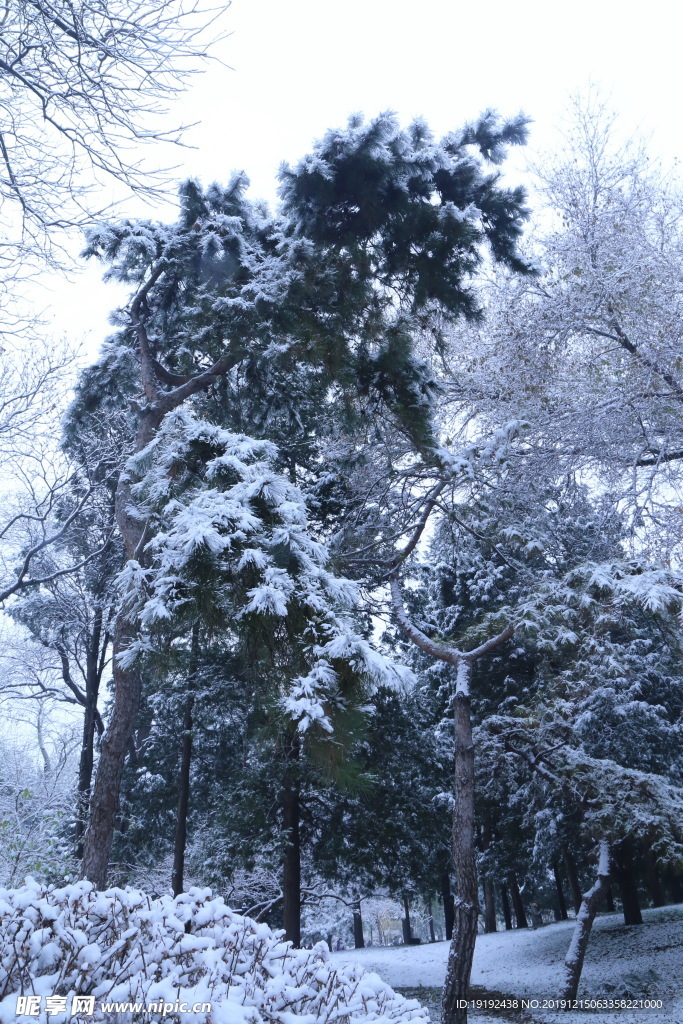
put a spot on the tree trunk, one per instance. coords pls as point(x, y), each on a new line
point(448, 911)
point(675, 880)
point(625, 875)
point(653, 881)
point(573, 964)
point(560, 892)
point(461, 953)
point(507, 913)
point(609, 900)
point(178, 875)
point(517, 901)
point(358, 938)
point(85, 769)
point(432, 933)
point(291, 820)
point(490, 924)
point(573, 878)
point(94, 667)
point(405, 923)
point(104, 800)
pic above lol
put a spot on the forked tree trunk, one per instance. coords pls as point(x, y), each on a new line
point(291, 822)
point(461, 953)
point(573, 964)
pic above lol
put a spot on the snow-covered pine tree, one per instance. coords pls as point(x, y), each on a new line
point(380, 229)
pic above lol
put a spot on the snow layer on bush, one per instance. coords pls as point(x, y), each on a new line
point(121, 945)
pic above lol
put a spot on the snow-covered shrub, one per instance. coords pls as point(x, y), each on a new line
point(121, 945)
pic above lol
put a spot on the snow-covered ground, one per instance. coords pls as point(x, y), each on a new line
point(528, 964)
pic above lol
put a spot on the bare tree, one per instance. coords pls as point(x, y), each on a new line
point(84, 85)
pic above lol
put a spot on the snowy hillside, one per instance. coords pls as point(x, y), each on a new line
point(526, 963)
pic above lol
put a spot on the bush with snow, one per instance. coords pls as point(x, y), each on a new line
point(121, 945)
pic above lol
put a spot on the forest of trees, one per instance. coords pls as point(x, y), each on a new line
point(355, 555)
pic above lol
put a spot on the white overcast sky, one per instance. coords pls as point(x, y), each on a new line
point(298, 67)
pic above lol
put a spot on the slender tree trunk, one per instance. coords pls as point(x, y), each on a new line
point(85, 770)
point(448, 911)
point(358, 938)
point(490, 924)
point(94, 666)
point(178, 875)
point(517, 901)
point(625, 875)
point(464, 860)
point(573, 964)
point(560, 892)
point(432, 934)
point(653, 881)
point(609, 900)
point(405, 923)
point(93, 675)
point(675, 880)
point(573, 878)
point(291, 821)
point(507, 913)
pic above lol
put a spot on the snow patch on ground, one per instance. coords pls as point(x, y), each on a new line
point(529, 963)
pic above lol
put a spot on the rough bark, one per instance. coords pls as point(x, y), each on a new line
point(291, 821)
point(180, 841)
point(573, 878)
point(507, 913)
point(517, 901)
point(448, 911)
point(461, 953)
point(573, 964)
point(562, 904)
point(625, 874)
